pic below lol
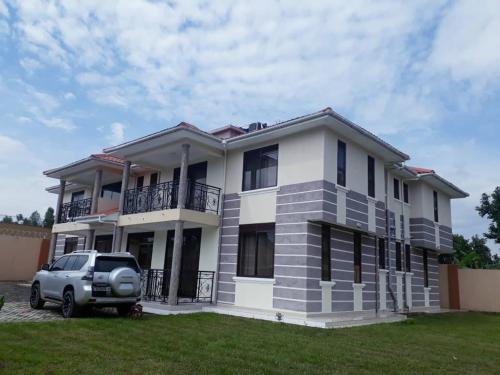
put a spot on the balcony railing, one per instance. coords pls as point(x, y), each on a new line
point(163, 196)
point(193, 286)
point(70, 211)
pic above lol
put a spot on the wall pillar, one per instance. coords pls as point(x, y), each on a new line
point(53, 239)
point(96, 192)
point(179, 229)
point(118, 232)
point(89, 239)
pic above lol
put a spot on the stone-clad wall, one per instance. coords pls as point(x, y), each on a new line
point(61, 240)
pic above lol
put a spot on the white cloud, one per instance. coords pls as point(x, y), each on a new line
point(30, 65)
point(58, 123)
point(69, 96)
point(116, 133)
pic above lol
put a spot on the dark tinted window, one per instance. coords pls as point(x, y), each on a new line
point(69, 264)
point(256, 250)
point(357, 258)
point(396, 188)
point(108, 264)
point(260, 168)
point(381, 253)
point(111, 191)
point(153, 181)
point(59, 264)
point(77, 196)
point(408, 258)
point(371, 177)
point(341, 163)
point(326, 269)
point(140, 182)
point(70, 244)
point(79, 262)
point(436, 207)
point(398, 257)
point(406, 194)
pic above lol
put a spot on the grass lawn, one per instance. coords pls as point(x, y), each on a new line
point(466, 343)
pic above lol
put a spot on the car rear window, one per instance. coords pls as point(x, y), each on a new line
point(108, 264)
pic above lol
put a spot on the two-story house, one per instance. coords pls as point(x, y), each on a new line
point(312, 218)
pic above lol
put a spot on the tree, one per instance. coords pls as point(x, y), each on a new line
point(473, 253)
point(34, 219)
point(20, 219)
point(490, 207)
point(7, 219)
point(48, 219)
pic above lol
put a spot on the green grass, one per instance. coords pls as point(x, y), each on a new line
point(466, 343)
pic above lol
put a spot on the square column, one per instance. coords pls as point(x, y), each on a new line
point(118, 232)
point(53, 239)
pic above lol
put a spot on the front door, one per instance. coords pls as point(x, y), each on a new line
point(190, 260)
point(140, 245)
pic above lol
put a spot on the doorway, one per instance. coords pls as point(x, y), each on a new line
point(104, 243)
point(140, 245)
point(196, 174)
point(190, 260)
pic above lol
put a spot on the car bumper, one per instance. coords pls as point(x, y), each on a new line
point(85, 297)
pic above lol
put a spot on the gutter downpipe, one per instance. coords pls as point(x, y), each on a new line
point(377, 277)
point(388, 242)
point(221, 204)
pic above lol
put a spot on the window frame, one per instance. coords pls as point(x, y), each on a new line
point(406, 193)
point(326, 253)
point(358, 257)
point(254, 229)
point(425, 262)
point(341, 167)
point(139, 185)
point(407, 257)
point(63, 260)
point(397, 188)
point(156, 180)
point(247, 159)
point(72, 241)
point(371, 176)
point(435, 206)
point(381, 253)
point(399, 256)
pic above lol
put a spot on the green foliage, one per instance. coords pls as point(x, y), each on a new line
point(473, 253)
point(35, 219)
point(490, 207)
point(2, 301)
point(7, 219)
point(48, 220)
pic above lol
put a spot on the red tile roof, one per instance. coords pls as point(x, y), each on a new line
point(419, 170)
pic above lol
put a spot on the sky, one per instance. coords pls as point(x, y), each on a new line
point(79, 76)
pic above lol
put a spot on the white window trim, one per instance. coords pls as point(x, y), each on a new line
point(254, 280)
point(259, 191)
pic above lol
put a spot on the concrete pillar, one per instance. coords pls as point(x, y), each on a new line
point(118, 233)
point(89, 240)
point(179, 229)
point(96, 192)
point(53, 239)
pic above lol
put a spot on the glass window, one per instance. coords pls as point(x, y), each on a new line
point(79, 262)
point(69, 264)
point(139, 182)
point(326, 269)
point(381, 253)
point(341, 163)
point(256, 250)
point(408, 258)
point(104, 243)
point(77, 196)
point(111, 191)
point(426, 269)
point(371, 177)
point(406, 194)
point(153, 180)
point(398, 257)
point(357, 258)
point(396, 188)
point(436, 207)
point(109, 263)
point(260, 168)
point(59, 264)
point(70, 244)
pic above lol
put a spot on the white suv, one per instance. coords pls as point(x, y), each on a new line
point(88, 278)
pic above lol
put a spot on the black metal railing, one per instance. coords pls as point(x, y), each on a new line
point(163, 196)
point(193, 286)
point(70, 211)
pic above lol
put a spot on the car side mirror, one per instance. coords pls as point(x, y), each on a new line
point(45, 267)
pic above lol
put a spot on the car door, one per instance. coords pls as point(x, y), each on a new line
point(65, 275)
point(54, 278)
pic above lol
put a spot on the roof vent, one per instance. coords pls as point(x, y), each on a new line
point(256, 126)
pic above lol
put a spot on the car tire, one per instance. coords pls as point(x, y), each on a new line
point(69, 307)
point(124, 310)
point(36, 301)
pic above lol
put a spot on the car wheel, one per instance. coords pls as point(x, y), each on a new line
point(36, 301)
point(69, 308)
point(124, 310)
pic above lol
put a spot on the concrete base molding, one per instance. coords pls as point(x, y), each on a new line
point(382, 275)
point(326, 295)
point(399, 289)
point(427, 292)
point(409, 299)
point(358, 296)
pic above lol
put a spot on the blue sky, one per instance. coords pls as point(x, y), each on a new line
point(77, 77)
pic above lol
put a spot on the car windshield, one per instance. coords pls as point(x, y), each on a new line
point(108, 264)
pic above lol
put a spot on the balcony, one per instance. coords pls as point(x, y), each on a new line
point(194, 287)
point(163, 196)
point(71, 210)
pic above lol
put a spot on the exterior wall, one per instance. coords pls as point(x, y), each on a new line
point(67, 194)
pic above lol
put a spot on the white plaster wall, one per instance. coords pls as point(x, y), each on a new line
point(422, 203)
point(208, 249)
point(67, 194)
point(258, 207)
point(159, 248)
point(254, 293)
